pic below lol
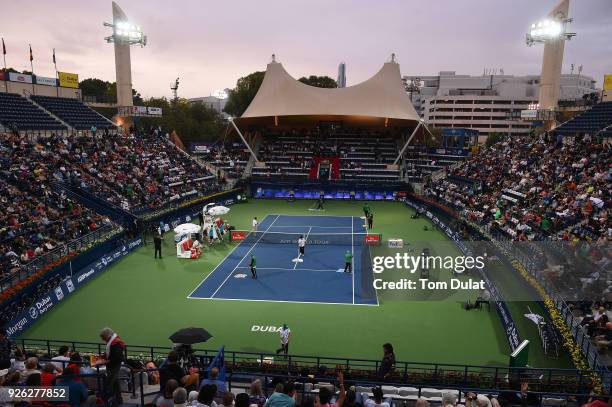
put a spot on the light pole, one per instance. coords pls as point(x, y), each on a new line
point(552, 32)
point(125, 34)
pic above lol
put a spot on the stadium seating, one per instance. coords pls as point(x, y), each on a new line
point(364, 157)
point(591, 121)
point(73, 112)
point(533, 188)
point(232, 158)
point(34, 218)
point(18, 113)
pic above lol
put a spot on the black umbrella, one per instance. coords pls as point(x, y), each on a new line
point(189, 336)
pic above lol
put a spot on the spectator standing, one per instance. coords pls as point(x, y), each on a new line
point(388, 361)
point(285, 336)
point(113, 358)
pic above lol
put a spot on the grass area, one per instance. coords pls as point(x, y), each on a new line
point(145, 300)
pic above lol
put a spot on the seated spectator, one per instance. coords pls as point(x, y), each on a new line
point(284, 398)
point(77, 392)
point(48, 374)
point(171, 370)
point(179, 397)
point(31, 367)
point(207, 395)
point(256, 394)
point(214, 379)
point(63, 357)
point(167, 399)
point(243, 400)
point(376, 400)
point(603, 341)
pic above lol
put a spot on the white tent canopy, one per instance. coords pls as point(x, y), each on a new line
point(382, 96)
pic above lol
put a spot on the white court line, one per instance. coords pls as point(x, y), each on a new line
point(284, 301)
point(316, 227)
point(217, 266)
point(299, 254)
point(353, 258)
point(285, 269)
point(246, 254)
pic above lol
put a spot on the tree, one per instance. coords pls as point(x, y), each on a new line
point(104, 91)
point(319, 81)
point(242, 95)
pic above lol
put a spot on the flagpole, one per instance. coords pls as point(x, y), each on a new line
point(32, 68)
point(56, 75)
point(5, 71)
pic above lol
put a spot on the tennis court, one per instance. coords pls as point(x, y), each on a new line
point(319, 278)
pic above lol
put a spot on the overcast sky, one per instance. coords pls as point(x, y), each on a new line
point(210, 44)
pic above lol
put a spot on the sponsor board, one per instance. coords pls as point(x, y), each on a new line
point(65, 288)
point(43, 80)
point(154, 111)
point(238, 235)
point(68, 80)
point(20, 77)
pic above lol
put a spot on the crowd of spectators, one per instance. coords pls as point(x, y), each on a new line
point(34, 218)
point(230, 157)
point(535, 187)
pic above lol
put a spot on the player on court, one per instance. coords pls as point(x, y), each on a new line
point(255, 223)
point(348, 262)
point(253, 266)
point(301, 245)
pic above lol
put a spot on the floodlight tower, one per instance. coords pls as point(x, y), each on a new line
point(125, 34)
point(552, 32)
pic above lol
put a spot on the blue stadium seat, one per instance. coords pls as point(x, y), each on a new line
point(73, 112)
point(18, 113)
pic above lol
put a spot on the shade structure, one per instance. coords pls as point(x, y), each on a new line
point(218, 210)
point(381, 100)
point(186, 228)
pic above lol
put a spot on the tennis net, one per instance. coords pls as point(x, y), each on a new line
point(340, 239)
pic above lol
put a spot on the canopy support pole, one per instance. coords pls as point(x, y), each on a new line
point(401, 153)
point(243, 140)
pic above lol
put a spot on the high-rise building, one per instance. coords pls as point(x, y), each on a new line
point(485, 102)
point(341, 75)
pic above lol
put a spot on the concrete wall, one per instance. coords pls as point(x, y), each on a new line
point(26, 88)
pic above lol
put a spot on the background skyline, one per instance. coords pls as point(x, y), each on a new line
point(211, 44)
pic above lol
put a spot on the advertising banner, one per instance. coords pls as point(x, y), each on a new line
point(20, 77)
point(155, 111)
point(67, 287)
point(68, 80)
point(43, 80)
point(607, 82)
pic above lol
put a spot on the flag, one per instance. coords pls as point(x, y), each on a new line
point(53, 56)
point(3, 47)
point(31, 55)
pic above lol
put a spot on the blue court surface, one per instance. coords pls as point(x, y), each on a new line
point(319, 278)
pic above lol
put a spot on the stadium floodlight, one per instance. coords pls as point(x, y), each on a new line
point(126, 33)
point(549, 30)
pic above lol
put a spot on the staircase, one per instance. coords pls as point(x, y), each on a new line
point(248, 169)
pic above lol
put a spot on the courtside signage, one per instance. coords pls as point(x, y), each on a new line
point(57, 294)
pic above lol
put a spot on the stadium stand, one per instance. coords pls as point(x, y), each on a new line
point(35, 218)
point(359, 156)
point(589, 122)
point(232, 158)
point(533, 188)
point(73, 112)
point(18, 113)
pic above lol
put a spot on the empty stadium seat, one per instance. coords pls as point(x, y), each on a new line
point(73, 112)
point(18, 113)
